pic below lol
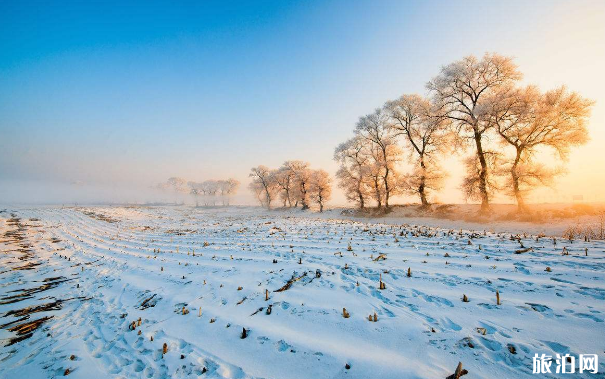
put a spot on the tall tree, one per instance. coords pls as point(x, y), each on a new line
point(227, 188)
point(320, 188)
point(425, 135)
point(526, 120)
point(300, 189)
point(461, 93)
point(375, 130)
point(195, 190)
point(353, 174)
point(232, 186)
point(175, 184)
point(263, 184)
point(211, 189)
point(286, 180)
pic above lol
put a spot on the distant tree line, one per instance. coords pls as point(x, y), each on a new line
point(294, 184)
point(208, 191)
point(473, 104)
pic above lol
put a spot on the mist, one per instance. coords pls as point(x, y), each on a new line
point(38, 192)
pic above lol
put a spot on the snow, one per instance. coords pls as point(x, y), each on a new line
point(109, 257)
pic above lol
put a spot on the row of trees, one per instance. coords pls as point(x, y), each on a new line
point(209, 191)
point(294, 183)
point(472, 104)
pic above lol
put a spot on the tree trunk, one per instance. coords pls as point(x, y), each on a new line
point(386, 195)
point(482, 174)
point(360, 195)
point(515, 179)
point(387, 190)
point(268, 197)
point(421, 188)
point(303, 200)
point(423, 199)
point(377, 190)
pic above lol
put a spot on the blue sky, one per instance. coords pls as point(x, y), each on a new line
point(109, 92)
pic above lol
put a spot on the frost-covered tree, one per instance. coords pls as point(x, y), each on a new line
point(320, 188)
point(195, 189)
point(353, 174)
point(300, 189)
point(176, 186)
point(286, 180)
point(222, 187)
point(425, 135)
point(526, 120)
point(462, 92)
point(209, 190)
point(263, 185)
point(211, 187)
point(375, 130)
point(227, 189)
point(231, 186)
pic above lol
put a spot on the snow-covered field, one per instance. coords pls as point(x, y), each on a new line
point(74, 280)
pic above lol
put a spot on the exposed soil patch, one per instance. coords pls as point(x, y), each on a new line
point(25, 330)
point(21, 251)
point(99, 216)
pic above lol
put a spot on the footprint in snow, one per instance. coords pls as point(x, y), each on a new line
point(449, 324)
point(283, 346)
point(490, 344)
point(588, 316)
point(262, 339)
